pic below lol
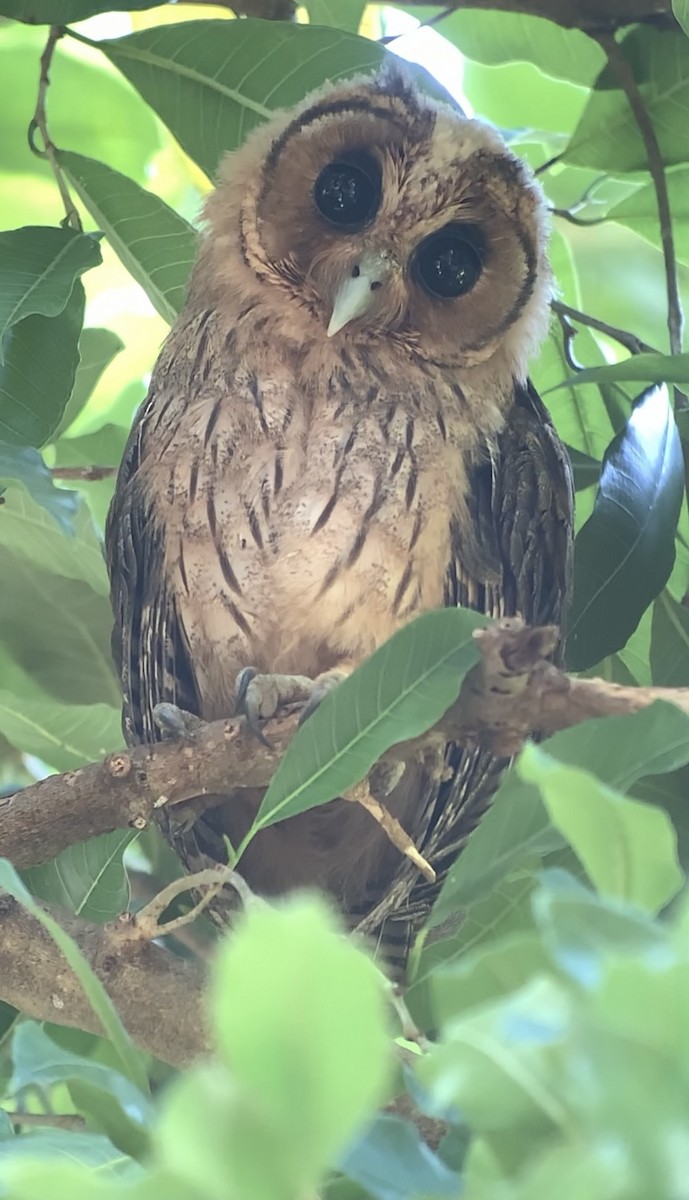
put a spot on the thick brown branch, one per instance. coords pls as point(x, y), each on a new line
point(513, 691)
point(158, 995)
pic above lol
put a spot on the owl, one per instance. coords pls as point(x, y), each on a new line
point(339, 435)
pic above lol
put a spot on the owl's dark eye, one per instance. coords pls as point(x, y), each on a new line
point(449, 263)
point(348, 193)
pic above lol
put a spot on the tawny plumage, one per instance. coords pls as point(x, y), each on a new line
point(339, 434)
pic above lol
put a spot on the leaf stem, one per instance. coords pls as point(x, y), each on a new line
point(39, 123)
point(625, 76)
point(625, 338)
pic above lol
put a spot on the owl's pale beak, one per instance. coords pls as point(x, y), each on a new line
point(356, 293)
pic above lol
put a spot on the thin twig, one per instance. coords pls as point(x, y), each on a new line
point(146, 922)
point(39, 123)
point(566, 214)
point(625, 76)
point(629, 340)
point(54, 1120)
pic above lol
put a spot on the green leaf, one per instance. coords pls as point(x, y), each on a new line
point(628, 849)
point(29, 532)
point(392, 1162)
point(670, 643)
point(155, 244)
point(97, 348)
point(104, 1115)
point(88, 879)
point(493, 38)
point(213, 81)
point(38, 268)
point(65, 736)
point(40, 1063)
point(96, 994)
point(286, 986)
point(503, 965)
point(640, 368)
point(64, 12)
point(607, 135)
point(640, 212)
point(26, 466)
point(681, 10)
point(398, 693)
point(624, 553)
point(343, 14)
point(41, 356)
point(48, 1152)
point(618, 750)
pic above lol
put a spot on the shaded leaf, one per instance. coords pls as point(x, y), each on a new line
point(624, 553)
point(26, 466)
point(190, 74)
point(31, 533)
point(681, 10)
point(628, 849)
point(607, 135)
point(155, 244)
point(670, 642)
point(97, 348)
point(392, 1162)
point(88, 879)
point(64, 12)
point(41, 356)
point(38, 268)
point(503, 965)
point(96, 994)
point(343, 14)
point(398, 693)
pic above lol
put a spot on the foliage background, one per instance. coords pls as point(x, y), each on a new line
point(560, 1004)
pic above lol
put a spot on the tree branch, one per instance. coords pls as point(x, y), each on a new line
point(127, 788)
point(158, 995)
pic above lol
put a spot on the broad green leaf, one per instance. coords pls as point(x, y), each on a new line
point(40, 1063)
point(487, 973)
point(681, 10)
point(493, 38)
point(607, 135)
point(618, 750)
point(398, 693)
point(26, 466)
point(343, 14)
point(580, 419)
point(624, 553)
point(97, 348)
point(102, 448)
point(96, 994)
point(112, 124)
point(48, 1151)
point(31, 533)
point(640, 212)
point(286, 985)
point(640, 368)
point(156, 245)
point(65, 736)
point(88, 879)
point(517, 96)
point(213, 81)
point(498, 1063)
point(583, 931)
point(41, 356)
point(64, 12)
point(392, 1162)
point(628, 848)
point(105, 1115)
point(38, 268)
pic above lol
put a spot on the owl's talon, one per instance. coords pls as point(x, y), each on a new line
point(174, 722)
point(321, 687)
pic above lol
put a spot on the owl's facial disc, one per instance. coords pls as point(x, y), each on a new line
point(355, 295)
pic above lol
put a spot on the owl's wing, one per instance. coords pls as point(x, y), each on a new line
point(149, 644)
point(512, 559)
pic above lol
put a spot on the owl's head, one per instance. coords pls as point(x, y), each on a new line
point(375, 211)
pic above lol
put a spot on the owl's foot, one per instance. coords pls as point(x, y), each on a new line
point(174, 722)
point(260, 697)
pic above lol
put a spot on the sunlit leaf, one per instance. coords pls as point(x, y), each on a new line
point(640, 212)
point(398, 693)
point(625, 551)
point(639, 368)
point(627, 848)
